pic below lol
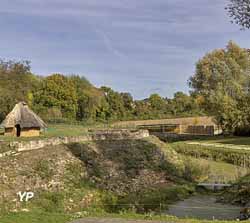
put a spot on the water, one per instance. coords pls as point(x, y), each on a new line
point(204, 207)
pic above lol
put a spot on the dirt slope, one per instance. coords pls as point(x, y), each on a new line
point(82, 172)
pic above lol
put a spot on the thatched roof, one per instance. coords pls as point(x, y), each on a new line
point(22, 115)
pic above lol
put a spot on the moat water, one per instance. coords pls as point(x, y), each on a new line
point(204, 207)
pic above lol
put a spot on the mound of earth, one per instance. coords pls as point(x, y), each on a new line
point(83, 172)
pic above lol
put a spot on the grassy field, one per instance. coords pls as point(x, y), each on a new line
point(221, 171)
point(53, 131)
point(230, 149)
point(232, 140)
point(43, 217)
point(35, 217)
point(60, 130)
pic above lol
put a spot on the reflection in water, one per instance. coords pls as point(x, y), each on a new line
point(204, 207)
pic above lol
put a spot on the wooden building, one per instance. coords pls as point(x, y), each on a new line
point(22, 122)
point(203, 125)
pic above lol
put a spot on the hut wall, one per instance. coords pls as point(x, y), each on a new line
point(9, 131)
point(30, 132)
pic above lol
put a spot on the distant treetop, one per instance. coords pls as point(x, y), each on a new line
point(239, 11)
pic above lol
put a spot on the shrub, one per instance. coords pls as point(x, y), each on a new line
point(195, 172)
point(154, 199)
point(43, 169)
point(50, 202)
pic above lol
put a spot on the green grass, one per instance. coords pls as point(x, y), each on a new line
point(234, 140)
point(35, 217)
point(221, 171)
point(60, 130)
point(43, 217)
point(231, 149)
point(66, 130)
point(235, 156)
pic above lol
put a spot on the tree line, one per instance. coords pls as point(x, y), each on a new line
point(222, 81)
point(62, 98)
point(220, 87)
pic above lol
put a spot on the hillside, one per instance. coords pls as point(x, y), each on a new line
point(103, 174)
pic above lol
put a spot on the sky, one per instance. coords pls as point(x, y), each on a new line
point(136, 46)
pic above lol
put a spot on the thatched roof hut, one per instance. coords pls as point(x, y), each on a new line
point(22, 121)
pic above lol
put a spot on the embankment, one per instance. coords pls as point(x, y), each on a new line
point(136, 172)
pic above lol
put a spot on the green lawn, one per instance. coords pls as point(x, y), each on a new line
point(60, 130)
point(221, 171)
point(53, 131)
point(41, 217)
point(231, 149)
point(234, 140)
point(35, 217)
point(65, 130)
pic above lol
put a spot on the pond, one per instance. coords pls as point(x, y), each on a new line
point(204, 207)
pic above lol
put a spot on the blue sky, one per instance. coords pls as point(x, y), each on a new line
point(139, 46)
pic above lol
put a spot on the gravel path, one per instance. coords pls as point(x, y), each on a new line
point(110, 220)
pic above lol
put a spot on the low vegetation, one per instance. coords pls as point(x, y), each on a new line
point(222, 140)
point(214, 171)
point(43, 217)
point(124, 178)
point(239, 193)
point(109, 176)
point(239, 157)
point(36, 217)
point(61, 130)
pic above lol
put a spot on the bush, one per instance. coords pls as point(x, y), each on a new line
point(155, 199)
point(195, 172)
point(109, 202)
point(50, 202)
point(44, 170)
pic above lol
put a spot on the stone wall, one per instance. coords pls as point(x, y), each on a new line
point(20, 146)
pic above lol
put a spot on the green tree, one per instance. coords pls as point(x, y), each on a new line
point(116, 109)
point(183, 104)
point(239, 11)
point(90, 100)
point(157, 106)
point(157, 102)
point(222, 79)
point(58, 91)
point(17, 83)
point(142, 110)
point(129, 105)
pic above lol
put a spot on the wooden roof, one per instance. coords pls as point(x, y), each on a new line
point(199, 120)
